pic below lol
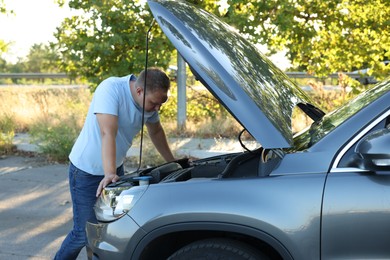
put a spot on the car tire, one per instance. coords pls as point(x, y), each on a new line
point(217, 249)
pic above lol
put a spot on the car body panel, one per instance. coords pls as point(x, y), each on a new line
point(356, 216)
point(242, 78)
point(206, 227)
point(110, 241)
point(220, 201)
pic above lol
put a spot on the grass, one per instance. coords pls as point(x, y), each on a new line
point(54, 116)
point(7, 133)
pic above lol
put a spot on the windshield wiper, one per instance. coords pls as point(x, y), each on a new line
point(313, 112)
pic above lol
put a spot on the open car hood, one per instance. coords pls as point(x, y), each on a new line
point(259, 95)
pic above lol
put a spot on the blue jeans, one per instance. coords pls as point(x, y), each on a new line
point(83, 188)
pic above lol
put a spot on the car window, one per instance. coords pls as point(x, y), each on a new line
point(329, 122)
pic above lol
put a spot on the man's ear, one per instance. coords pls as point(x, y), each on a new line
point(138, 90)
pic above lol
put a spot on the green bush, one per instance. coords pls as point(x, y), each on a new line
point(7, 134)
point(55, 141)
point(200, 104)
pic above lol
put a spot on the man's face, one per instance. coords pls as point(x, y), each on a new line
point(153, 100)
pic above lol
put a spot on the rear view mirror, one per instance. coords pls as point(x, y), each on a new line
point(374, 150)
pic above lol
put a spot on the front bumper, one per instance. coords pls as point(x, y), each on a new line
point(112, 240)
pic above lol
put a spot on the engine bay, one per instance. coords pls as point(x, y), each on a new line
point(235, 165)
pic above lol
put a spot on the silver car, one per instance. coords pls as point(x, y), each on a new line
point(322, 193)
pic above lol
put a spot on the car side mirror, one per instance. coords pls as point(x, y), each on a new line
point(374, 150)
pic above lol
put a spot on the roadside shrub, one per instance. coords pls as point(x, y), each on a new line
point(200, 104)
point(329, 100)
point(55, 141)
point(7, 134)
point(222, 126)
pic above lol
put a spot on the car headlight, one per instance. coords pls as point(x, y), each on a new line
point(117, 201)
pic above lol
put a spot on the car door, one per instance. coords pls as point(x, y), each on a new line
point(356, 207)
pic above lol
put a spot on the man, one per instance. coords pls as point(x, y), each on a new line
point(96, 160)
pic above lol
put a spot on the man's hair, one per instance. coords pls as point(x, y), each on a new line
point(156, 79)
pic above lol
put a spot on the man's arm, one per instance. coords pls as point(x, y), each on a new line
point(157, 135)
point(108, 129)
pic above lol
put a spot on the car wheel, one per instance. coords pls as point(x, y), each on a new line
point(217, 249)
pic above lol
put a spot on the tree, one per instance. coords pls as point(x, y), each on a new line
point(109, 38)
point(3, 44)
point(321, 36)
point(3, 9)
point(42, 58)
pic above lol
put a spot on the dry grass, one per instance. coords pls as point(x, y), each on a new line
point(57, 111)
point(221, 127)
point(51, 115)
point(28, 105)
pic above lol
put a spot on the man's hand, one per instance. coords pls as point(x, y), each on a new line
point(108, 178)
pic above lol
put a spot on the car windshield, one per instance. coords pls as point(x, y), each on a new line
point(329, 122)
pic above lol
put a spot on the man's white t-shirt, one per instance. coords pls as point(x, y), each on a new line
point(113, 97)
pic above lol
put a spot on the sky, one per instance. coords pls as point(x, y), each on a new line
point(34, 22)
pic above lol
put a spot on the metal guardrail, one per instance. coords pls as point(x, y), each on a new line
point(304, 75)
point(34, 76)
point(65, 76)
